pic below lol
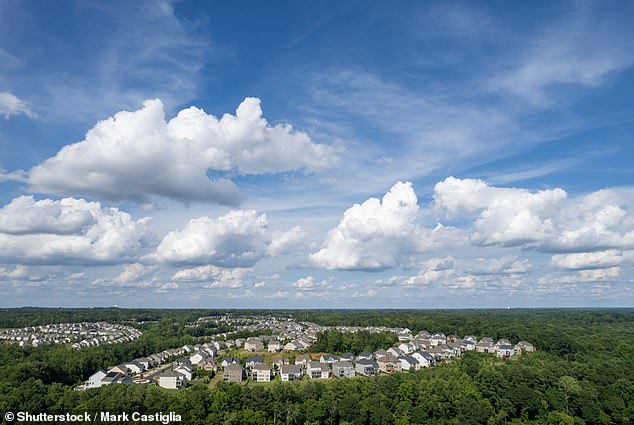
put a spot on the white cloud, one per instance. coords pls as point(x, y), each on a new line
point(449, 272)
point(68, 231)
point(166, 287)
point(581, 50)
point(285, 242)
point(134, 273)
point(10, 106)
point(137, 155)
point(546, 220)
point(23, 215)
point(19, 272)
point(309, 283)
point(582, 276)
point(215, 277)
point(378, 233)
point(505, 216)
point(587, 260)
point(237, 239)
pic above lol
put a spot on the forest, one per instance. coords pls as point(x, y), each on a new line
point(582, 372)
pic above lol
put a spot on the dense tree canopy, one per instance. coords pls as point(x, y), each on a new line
point(581, 373)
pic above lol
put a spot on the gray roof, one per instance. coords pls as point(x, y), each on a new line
point(233, 367)
point(171, 374)
point(262, 366)
point(409, 359)
point(290, 368)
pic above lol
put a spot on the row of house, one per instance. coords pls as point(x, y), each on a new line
point(80, 335)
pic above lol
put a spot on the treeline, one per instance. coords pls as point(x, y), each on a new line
point(581, 374)
point(333, 341)
point(536, 389)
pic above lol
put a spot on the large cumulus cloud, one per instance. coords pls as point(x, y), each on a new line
point(239, 238)
point(67, 231)
point(378, 234)
point(137, 155)
point(546, 220)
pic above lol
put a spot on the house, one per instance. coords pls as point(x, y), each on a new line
point(134, 367)
point(294, 345)
point(395, 351)
point(156, 359)
point(94, 380)
point(346, 357)
point(343, 370)
point(253, 344)
point(317, 370)
point(279, 361)
point(290, 372)
point(505, 350)
point(198, 357)
point(468, 345)
point(380, 353)
point(437, 339)
point(389, 364)
point(485, 347)
point(405, 348)
point(327, 358)
point(115, 378)
point(183, 361)
point(145, 362)
point(227, 361)
point(303, 360)
point(261, 372)
point(405, 336)
point(524, 347)
point(240, 342)
point(234, 373)
point(423, 335)
point(253, 360)
point(274, 346)
point(208, 364)
point(453, 338)
point(211, 351)
point(185, 370)
point(366, 367)
point(366, 355)
point(171, 380)
point(123, 369)
point(455, 348)
point(424, 359)
point(409, 363)
point(503, 342)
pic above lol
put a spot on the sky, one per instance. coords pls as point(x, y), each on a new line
point(343, 154)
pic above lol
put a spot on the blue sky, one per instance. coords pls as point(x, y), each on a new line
point(223, 154)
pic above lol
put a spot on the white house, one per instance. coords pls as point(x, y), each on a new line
point(505, 350)
point(253, 344)
point(135, 367)
point(185, 370)
point(406, 348)
point(290, 372)
point(261, 372)
point(94, 381)
point(424, 359)
point(171, 380)
point(317, 370)
point(274, 346)
point(409, 363)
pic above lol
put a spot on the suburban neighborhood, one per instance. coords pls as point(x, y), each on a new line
point(283, 355)
point(80, 335)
